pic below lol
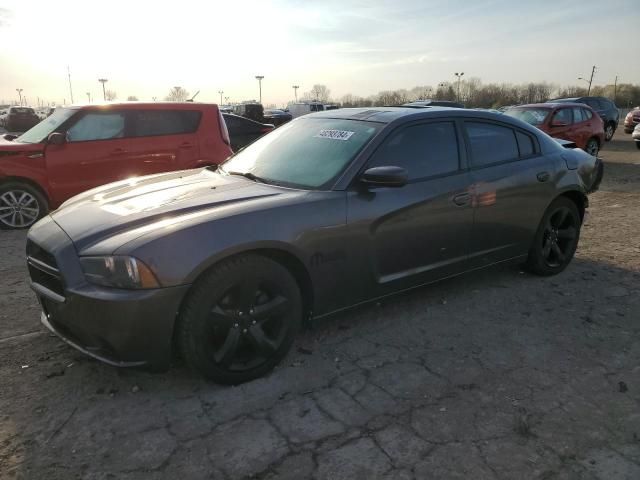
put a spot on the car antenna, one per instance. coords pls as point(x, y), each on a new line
point(194, 96)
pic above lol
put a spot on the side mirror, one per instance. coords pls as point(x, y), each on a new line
point(558, 123)
point(56, 139)
point(388, 176)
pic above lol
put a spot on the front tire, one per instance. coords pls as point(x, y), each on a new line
point(21, 205)
point(592, 147)
point(240, 319)
point(556, 239)
point(609, 130)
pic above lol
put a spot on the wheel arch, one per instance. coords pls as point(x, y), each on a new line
point(27, 181)
point(577, 197)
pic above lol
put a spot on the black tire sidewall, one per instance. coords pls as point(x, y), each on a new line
point(597, 146)
point(613, 131)
point(195, 314)
point(40, 198)
point(535, 262)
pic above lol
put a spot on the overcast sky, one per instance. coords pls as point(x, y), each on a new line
point(361, 47)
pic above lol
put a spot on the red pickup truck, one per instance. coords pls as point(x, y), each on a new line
point(82, 147)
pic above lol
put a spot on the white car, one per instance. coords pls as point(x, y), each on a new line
point(3, 116)
point(636, 135)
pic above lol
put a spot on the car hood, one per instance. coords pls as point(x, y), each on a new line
point(11, 147)
point(141, 204)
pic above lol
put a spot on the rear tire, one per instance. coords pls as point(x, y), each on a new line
point(21, 205)
point(638, 144)
point(240, 319)
point(556, 239)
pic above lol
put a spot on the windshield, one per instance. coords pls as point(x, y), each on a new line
point(533, 116)
point(42, 130)
point(308, 153)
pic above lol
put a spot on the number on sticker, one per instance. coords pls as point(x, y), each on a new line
point(335, 134)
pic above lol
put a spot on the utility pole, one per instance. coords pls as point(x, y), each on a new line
point(259, 78)
point(615, 89)
point(104, 92)
point(70, 89)
point(459, 75)
point(220, 92)
point(19, 90)
point(593, 71)
point(295, 91)
point(89, 97)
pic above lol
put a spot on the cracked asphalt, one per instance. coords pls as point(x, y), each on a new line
point(494, 375)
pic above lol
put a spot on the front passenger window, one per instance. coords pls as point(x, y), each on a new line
point(97, 126)
point(423, 150)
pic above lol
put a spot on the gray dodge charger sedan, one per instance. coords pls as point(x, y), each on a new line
point(328, 211)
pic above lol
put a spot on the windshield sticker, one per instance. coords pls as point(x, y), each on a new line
point(335, 134)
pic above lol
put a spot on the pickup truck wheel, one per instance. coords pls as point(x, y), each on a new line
point(592, 147)
point(240, 319)
point(556, 239)
point(21, 205)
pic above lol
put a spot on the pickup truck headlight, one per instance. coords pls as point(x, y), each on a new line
point(118, 272)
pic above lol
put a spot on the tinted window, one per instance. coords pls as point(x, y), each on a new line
point(562, 116)
point(97, 126)
point(525, 144)
point(593, 103)
point(164, 122)
point(491, 143)
point(577, 115)
point(231, 121)
point(423, 150)
point(586, 114)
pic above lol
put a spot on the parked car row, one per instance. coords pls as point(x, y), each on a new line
point(632, 120)
point(332, 210)
point(19, 119)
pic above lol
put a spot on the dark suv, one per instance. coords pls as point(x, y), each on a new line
point(604, 107)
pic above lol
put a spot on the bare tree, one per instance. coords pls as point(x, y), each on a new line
point(318, 93)
point(177, 94)
point(110, 95)
point(132, 98)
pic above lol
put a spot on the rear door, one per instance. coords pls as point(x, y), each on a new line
point(512, 186)
point(161, 141)
point(419, 232)
point(561, 124)
point(581, 126)
point(93, 154)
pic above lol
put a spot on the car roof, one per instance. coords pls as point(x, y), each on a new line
point(146, 105)
point(391, 114)
point(551, 105)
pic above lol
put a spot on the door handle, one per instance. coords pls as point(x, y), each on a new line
point(186, 145)
point(543, 176)
point(118, 151)
point(462, 199)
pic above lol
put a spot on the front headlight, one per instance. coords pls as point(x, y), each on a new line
point(118, 272)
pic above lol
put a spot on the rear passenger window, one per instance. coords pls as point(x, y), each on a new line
point(164, 122)
point(586, 114)
point(525, 144)
point(491, 143)
point(577, 115)
point(423, 150)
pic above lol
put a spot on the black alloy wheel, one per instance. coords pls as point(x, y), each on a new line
point(240, 320)
point(557, 238)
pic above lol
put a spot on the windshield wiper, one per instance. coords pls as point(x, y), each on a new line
point(250, 176)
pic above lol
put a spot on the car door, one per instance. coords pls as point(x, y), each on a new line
point(91, 156)
point(162, 140)
point(581, 126)
point(419, 232)
point(512, 186)
point(560, 124)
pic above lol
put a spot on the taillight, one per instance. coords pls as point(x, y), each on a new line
point(224, 131)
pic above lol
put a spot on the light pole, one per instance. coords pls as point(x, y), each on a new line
point(615, 89)
point(70, 89)
point(89, 97)
point(19, 90)
point(259, 78)
point(220, 92)
point(459, 75)
point(590, 81)
point(104, 92)
point(226, 100)
point(295, 91)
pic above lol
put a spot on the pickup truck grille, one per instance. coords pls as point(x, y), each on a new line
point(43, 268)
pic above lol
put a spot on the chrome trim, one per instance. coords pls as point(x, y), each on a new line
point(45, 292)
point(43, 267)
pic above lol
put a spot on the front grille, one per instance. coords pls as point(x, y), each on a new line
point(43, 268)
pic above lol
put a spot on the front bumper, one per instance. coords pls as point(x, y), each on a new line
point(119, 327)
